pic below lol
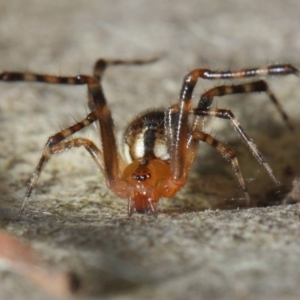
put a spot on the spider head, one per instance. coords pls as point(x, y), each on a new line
point(148, 181)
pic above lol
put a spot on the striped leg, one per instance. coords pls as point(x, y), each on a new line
point(99, 68)
point(101, 64)
point(178, 115)
point(207, 99)
point(54, 143)
point(100, 111)
point(227, 153)
point(97, 101)
point(227, 114)
point(191, 78)
point(251, 87)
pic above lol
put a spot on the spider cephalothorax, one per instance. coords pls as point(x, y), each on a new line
point(159, 145)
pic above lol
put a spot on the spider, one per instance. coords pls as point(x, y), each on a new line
point(159, 145)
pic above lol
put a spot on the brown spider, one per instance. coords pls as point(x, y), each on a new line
point(160, 145)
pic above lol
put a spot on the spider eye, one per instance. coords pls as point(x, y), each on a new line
point(142, 173)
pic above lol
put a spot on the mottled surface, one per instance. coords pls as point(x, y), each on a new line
point(195, 249)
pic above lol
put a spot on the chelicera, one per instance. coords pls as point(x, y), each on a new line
point(159, 145)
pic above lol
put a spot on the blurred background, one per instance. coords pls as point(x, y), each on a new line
point(66, 37)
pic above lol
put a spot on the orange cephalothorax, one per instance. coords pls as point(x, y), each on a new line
point(147, 182)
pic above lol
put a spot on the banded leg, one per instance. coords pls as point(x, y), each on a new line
point(251, 87)
point(99, 68)
point(207, 98)
point(93, 150)
point(54, 140)
point(101, 64)
point(191, 78)
point(227, 153)
point(97, 103)
point(227, 114)
point(180, 119)
point(66, 145)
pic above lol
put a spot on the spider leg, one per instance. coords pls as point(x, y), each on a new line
point(100, 111)
point(101, 64)
point(99, 68)
point(250, 87)
point(56, 149)
point(95, 153)
point(206, 100)
point(270, 70)
point(97, 101)
point(51, 143)
point(177, 115)
point(227, 114)
point(227, 153)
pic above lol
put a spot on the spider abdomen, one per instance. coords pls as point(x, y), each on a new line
point(145, 137)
